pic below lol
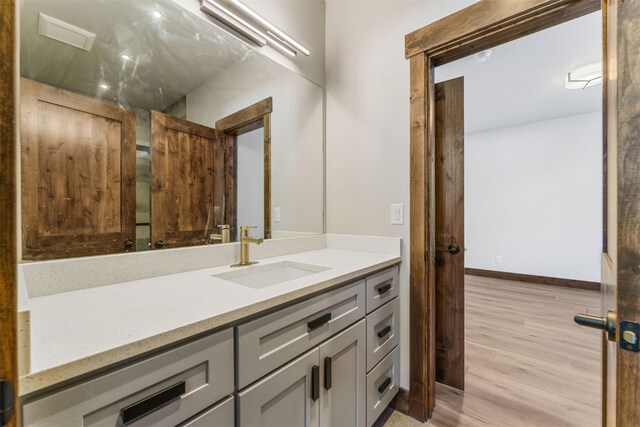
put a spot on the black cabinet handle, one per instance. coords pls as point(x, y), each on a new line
point(315, 383)
point(160, 244)
point(384, 331)
point(384, 289)
point(152, 403)
point(384, 385)
point(316, 323)
point(327, 373)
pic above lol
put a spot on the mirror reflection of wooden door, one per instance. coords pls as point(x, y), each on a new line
point(192, 182)
point(78, 174)
point(449, 216)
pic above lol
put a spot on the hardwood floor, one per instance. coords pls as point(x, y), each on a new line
point(527, 362)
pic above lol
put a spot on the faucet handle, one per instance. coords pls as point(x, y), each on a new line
point(224, 226)
point(244, 229)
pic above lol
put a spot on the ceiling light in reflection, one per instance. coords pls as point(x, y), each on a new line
point(125, 57)
point(483, 56)
point(104, 86)
point(583, 77)
point(157, 14)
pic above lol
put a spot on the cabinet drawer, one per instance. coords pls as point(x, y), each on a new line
point(382, 288)
point(272, 340)
point(163, 390)
point(383, 332)
point(221, 415)
point(382, 385)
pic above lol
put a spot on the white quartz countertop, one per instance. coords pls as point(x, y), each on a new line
point(73, 333)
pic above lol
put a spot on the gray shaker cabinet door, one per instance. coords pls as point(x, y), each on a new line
point(283, 398)
point(344, 378)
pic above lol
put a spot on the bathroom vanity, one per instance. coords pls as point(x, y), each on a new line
point(308, 338)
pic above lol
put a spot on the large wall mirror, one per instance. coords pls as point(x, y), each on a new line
point(145, 126)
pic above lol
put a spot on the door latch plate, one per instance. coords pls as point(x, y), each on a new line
point(630, 336)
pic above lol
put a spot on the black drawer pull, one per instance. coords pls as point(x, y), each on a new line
point(149, 404)
point(384, 385)
point(327, 373)
point(315, 383)
point(316, 323)
point(384, 289)
point(384, 331)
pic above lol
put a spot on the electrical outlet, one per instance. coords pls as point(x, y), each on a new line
point(276, 214)
point(498, 259)
point(397, 214)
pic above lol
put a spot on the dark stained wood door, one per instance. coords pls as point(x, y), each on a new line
point(78, 174)
point(449, 215)
point(621, 261)
point(192, 182)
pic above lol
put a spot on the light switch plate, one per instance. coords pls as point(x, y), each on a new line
point(276, 214)
point(397, 214)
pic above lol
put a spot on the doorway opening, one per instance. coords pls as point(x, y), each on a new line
point(518, 175)
point(482, 26)
point(251, 132)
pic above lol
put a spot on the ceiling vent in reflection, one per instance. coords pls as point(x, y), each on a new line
point(236, 16)
point(65, 32)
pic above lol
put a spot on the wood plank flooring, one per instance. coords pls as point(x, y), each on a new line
point(527, 362)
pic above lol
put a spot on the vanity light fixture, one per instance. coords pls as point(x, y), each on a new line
point(272, 28)
point(230, 19)
point(584, 77)
point(268, 34)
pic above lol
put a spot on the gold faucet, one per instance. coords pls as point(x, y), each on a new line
point(224, 236)
point(245, 240)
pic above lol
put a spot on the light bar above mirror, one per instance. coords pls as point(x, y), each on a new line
point(239, 18)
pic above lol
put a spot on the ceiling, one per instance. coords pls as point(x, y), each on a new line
point(523, 81)
point(170, 55)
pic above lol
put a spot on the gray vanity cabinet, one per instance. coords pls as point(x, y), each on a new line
point(324, 387)
point(285, 397)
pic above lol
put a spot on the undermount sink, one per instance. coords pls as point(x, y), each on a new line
point(262, 276)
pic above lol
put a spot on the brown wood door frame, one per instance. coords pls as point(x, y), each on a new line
point(8, 203)
point(251, 118)
point(480, 26)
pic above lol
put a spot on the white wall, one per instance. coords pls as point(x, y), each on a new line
point(251, 181)
point(367, 122)
point(533, 195)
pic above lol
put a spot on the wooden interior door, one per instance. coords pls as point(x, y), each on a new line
point(78, 174)
point(192, 182)
point(621, 272)
point(449, 216)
